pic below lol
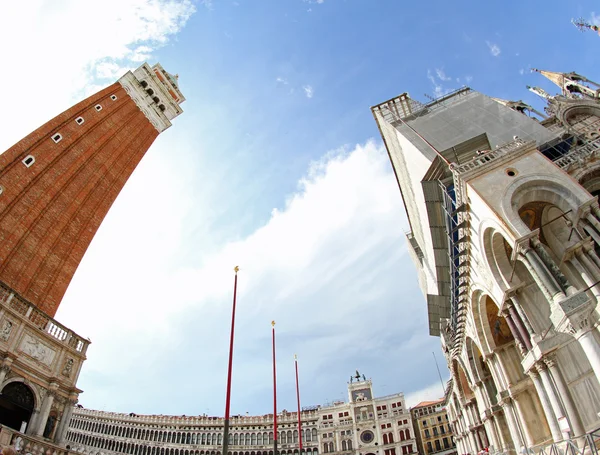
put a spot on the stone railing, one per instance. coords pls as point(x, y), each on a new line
point(29, 445)
point(578, 154)
point(489, 156)
point(127, 419)
point(13, 302)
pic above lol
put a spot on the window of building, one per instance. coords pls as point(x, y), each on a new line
point(438, 446)
point(439, 418)
point(446, 445)
point(427, 434)
point(409, 448)
point(79, 120)
point(442, 430)
point(98, 107)
point(424, 423)
point(57, 138)
point(113, 97)
point(1, 189)
point(435, 431)
point(429, 447)
point(29, 160)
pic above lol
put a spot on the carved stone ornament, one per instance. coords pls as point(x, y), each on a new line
point(5, 329)
point(68, 368)
point(37, 350)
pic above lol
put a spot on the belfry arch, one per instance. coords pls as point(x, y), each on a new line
point(17, 402)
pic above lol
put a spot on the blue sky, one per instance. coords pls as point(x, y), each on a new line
point(276, 165)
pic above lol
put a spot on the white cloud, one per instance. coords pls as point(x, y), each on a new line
point(468, 79)
point(494, 49)
point(437, 82)
point(522, 71)
point(87, 40)
point(442, 75)
point(317, 266)
point(282, 80)
point(595, 19)
point(308, 91)
point(430, 393)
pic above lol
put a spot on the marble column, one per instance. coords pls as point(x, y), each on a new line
point(474, 445)
point(514, 315)
point(579, 264)
point(552, 267)
point(591, 347)
point(63, 427)
point(513, 428)
point(535, 274)
point(550, 390)
point(491, 431)
point(543, 274)
point(517, 304)
point(521, 418)
point(591, 231)
point(33, 421)
point(513, 328)
point(44, 412)
point(502, 370)
point(593, 220)
point(546, 406)
point(577, 428)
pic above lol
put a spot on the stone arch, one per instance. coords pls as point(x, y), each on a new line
point(32, 387)
point(462, 380)
point(542, 189)
point(570, 114)
point(17, 403)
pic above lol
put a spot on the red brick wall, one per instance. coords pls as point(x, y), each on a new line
point(50, 212)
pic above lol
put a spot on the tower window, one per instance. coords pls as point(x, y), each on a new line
point(57, 138)
point(79, 120)
point(113, 97)
point(156, 100)
point(98, 107)
point(1, 189)
point(162, 107)
point(29, 160)
point(144, 84)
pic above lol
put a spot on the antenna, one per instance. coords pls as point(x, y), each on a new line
point(439, 374)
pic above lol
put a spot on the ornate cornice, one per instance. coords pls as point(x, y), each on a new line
point(144, 102)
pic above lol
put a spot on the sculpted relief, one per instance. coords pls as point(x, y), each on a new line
point(37, 350)
point(5, 330)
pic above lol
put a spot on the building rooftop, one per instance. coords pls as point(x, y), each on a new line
point(427, 403)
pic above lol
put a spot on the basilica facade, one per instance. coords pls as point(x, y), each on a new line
point(364, 425)
point(505, 234)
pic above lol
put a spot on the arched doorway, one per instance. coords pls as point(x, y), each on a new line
point(16, 405)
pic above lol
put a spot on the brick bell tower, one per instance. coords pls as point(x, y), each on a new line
point(58, 183)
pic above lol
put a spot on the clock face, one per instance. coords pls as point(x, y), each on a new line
point(367, 436)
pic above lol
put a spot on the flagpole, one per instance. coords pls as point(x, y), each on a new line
point(298, 399)
point(228, 396)
point(274, 395)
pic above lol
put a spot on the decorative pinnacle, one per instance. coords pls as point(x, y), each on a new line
point(295, 357)
point(273, 323)
point(236, 269)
